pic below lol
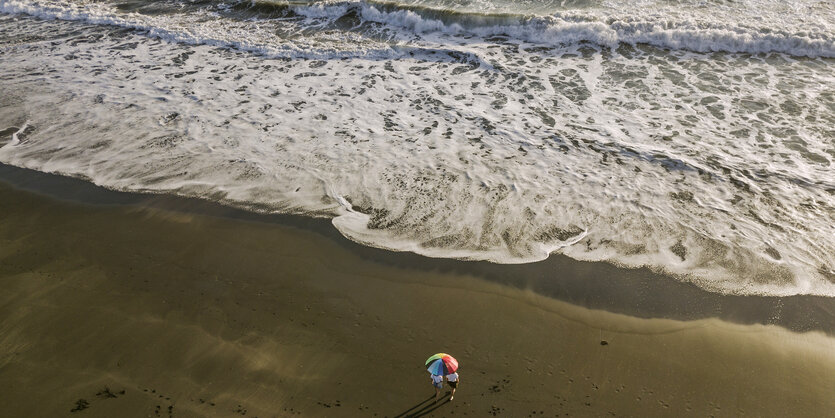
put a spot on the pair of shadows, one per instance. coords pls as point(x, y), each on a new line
point(418, 411)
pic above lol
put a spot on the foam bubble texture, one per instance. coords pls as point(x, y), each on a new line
point(716, 168)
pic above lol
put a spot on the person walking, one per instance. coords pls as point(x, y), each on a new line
point(452, 381)
point(438, 383)
point(438, 366)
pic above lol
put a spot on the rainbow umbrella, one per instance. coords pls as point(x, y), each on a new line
point(441, 364)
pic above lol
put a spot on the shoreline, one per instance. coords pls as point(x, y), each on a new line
point(150, 311)
point(594, 285)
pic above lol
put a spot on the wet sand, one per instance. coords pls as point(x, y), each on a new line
point(135, 308)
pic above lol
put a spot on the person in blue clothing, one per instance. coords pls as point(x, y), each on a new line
point(438, 383)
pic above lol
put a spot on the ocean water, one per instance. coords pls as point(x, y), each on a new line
point(695, 137)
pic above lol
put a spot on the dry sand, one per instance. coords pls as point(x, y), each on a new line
point(128, 310)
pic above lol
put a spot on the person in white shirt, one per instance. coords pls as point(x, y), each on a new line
point(452, 381)
point(438, 383)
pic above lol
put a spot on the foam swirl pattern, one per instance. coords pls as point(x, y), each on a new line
point(694, 138)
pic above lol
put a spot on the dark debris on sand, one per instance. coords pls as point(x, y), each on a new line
point(80, 405)
point(106, 393)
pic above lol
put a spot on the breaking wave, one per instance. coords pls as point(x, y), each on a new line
point(559, 28)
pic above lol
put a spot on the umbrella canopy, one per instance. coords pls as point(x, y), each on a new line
point(441, 364)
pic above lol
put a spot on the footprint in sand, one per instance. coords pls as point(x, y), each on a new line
point(80, 405)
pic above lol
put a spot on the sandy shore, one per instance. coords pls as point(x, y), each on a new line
point(132, 310)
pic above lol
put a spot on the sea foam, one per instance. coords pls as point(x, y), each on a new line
point(560, 28)
point(715, 168)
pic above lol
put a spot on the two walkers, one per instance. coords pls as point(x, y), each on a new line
point(438, 383)
point(441, 366)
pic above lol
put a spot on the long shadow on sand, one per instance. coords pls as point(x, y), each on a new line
point(423, 407)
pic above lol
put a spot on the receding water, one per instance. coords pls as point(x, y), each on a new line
point(697, 138)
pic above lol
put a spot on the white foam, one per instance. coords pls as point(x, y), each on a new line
point(196, 29)
point(602, 28)
point(409, 20)
point(629, 157)
point(572, 27)
point(15, 136)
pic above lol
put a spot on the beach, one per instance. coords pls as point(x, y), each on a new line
point(271, 208)
point(144, 306)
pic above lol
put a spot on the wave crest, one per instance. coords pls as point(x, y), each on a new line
point(408, 23)
point(571, 27)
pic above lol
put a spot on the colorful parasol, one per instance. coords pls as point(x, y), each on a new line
point(441, 364)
